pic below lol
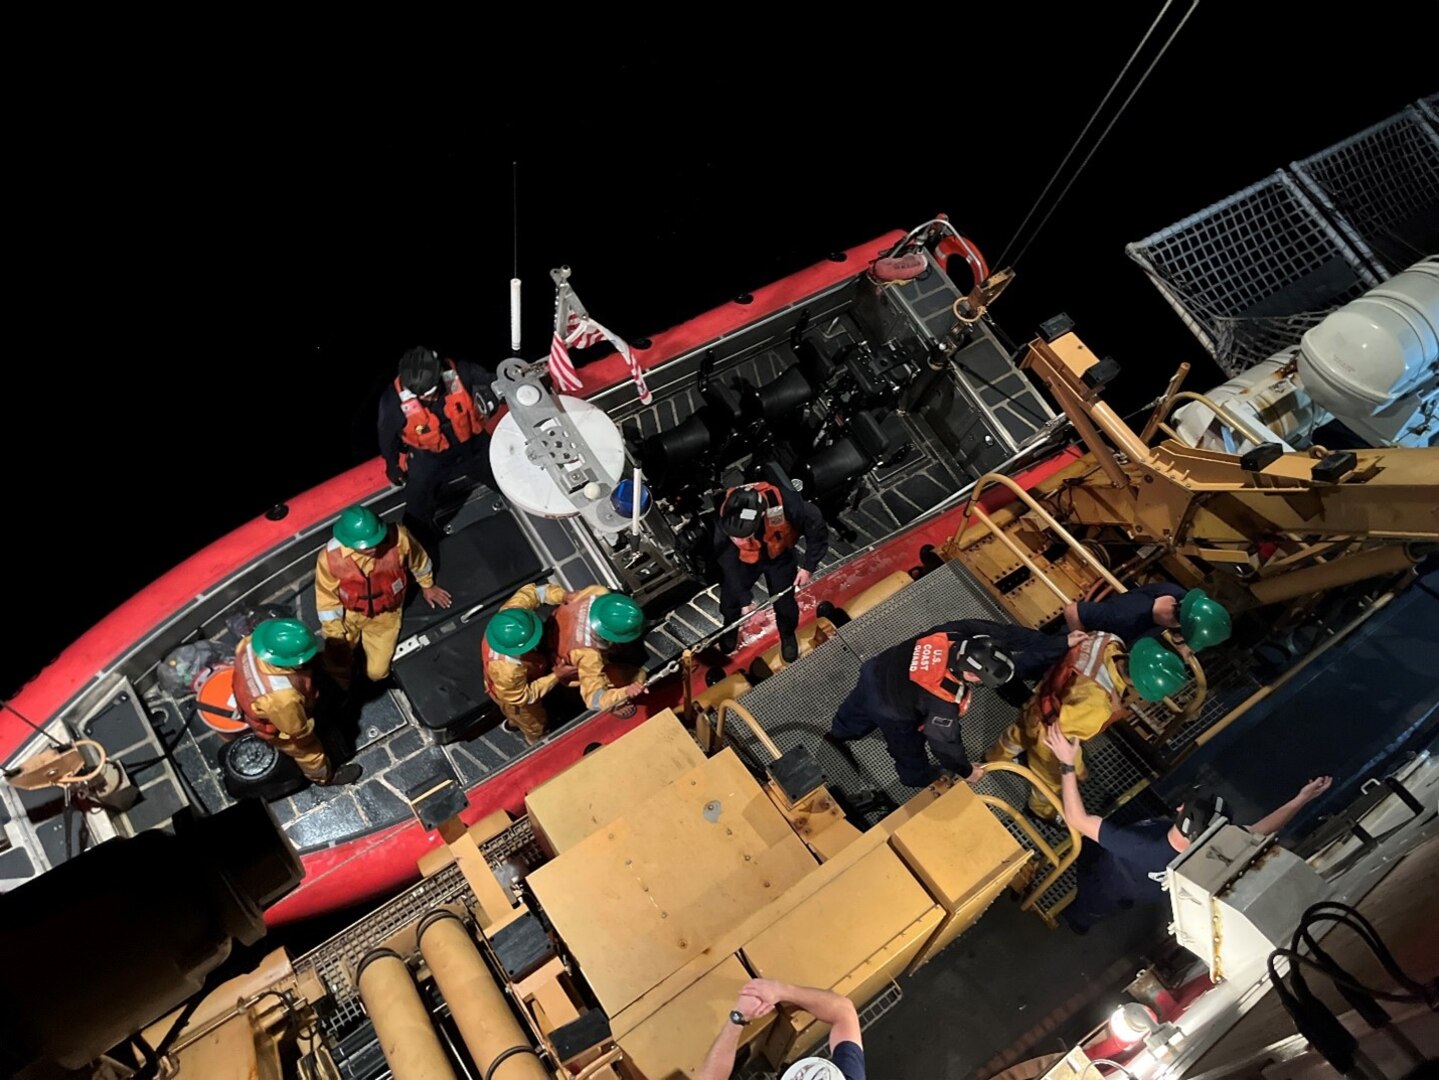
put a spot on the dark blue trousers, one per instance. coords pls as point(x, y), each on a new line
point(866, 709)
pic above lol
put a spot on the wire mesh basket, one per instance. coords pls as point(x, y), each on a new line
point(1381, 187)
point(1249, 274)
point(1429, 106)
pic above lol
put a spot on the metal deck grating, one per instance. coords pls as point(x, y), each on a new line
point(335, 960)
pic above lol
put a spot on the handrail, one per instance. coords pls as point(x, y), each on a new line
point(1044, 515)
point(1238, 423)
point(1079, 549)
point(729, 705)
point(1060, 865)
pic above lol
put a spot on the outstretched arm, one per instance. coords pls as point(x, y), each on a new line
point(719, 1062)
point(1071, 617)
point(836, 1010)
point(1279, 817)
point(1074, 812)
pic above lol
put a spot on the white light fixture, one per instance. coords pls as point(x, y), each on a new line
point(1131, 1022)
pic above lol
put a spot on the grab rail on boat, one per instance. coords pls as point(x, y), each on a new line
point(1181, 713)
point(731, 706)
point(1061, 863)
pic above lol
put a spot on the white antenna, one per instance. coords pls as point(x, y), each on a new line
point(514, 316)
point(515, 280)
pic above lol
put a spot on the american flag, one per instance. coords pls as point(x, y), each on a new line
point(574, 329)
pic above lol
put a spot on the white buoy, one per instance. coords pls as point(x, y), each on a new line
point(515, 316)
point(592, 490)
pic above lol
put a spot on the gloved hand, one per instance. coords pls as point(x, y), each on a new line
point(395, 474)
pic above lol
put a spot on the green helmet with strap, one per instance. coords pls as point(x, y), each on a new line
point(360, 528)
point(1203, 620)
point(616, 618)
point(284, 643)
point(514, 631)
point(1154, 670)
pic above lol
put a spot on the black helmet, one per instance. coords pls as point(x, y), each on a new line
point(420, 370)
point(983, 657)
point(743, 512)
point(1199, 809)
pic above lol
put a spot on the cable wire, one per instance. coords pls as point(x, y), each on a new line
point(1193, 7)
point(1092, 118)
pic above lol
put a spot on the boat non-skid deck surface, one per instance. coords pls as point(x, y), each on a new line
point(891, 497)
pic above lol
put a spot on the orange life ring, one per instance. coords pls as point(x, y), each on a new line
point(215, 704)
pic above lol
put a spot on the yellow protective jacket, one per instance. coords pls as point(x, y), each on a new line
point(327, 585)
point(513, 680)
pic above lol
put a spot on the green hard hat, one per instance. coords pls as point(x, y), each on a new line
point(360, 529)
point(1203, 620)
point(1154, 670)
point(514, 631)
point(286, 643)
point(616, 617)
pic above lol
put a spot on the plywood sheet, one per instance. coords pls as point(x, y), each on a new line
point(673, 1042)
point(608, 783)
point(838, 929)
point(955, 845)
point(644, 895)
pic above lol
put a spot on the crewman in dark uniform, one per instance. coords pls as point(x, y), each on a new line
point(432, 429)
point(1144, 611)
point(1123, 865)
point(917, 692)
point(758, 527)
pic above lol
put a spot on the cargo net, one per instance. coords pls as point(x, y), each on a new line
point(1251, 273)
point(1382, 188)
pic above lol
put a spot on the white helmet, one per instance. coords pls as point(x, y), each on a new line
point(813, 1068)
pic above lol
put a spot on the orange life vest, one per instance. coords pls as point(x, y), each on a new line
point(929, 668)
point(573, 630)
point(1086, 659)
point(252, 683)
point(776, 533)
point(422, 427)
point(382, 589)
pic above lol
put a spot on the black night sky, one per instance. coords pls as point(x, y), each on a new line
point(217, 258)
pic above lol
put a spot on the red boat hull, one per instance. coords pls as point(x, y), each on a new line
point(383, 861)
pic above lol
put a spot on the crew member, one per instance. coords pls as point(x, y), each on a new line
point(432, 429)
point(1123, 865)
point(275, 692)
point(758, 527)
point(918, 691)
point(760, 997)
point(1082, 695)
point(525, 657)
point(361, 577)
point(1149, 610)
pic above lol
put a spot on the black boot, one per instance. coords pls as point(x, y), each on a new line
point(788, 646)
point(728, 641)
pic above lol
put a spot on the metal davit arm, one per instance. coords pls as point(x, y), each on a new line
point(1041, 845)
